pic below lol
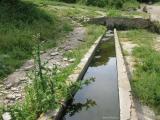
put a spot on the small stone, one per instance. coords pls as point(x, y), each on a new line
point(18, 95)
point(8, 86)
point(23, 78)
point(97, 57)
point(58, 63)
point(11, 97)
point(105, 39)
point(56, 49)
point(67, 48)
point(1, 86)
point(14, 89)
point(65, 59)
point(110, 31)
point(6, 102)
point(81, 40)
point(72, 60)
point(6, 116)
point(66, 64)
point(54, 53)
point(108, 35)
point(50, 67)
point(28, 67)
point(4, 92)
point(29, 81)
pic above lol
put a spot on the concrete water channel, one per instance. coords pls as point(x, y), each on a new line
point(100, 99)
point(109, 97)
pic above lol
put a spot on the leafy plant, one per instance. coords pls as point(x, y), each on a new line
point(18, 23)
point(47, 91)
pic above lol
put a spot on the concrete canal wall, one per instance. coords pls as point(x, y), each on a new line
point(125, 97)
point(127, 111)
point(121, 23)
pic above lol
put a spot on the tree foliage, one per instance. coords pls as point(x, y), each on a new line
point(100, 3)
point(108, 3)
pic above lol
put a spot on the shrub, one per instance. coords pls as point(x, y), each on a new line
point(146, 1)
point(18, 22)
point(101, 3)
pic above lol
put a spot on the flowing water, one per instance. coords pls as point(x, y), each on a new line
point(99, 100)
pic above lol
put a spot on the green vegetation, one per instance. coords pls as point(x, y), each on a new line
point(18, 23)
point(146, 82)
point(126, 14)
point(106, 3)
point(80, 10)
point(52, 19)
point(50, 88)
point(147, 1)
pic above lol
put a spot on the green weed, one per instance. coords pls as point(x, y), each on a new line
point(49, 88)
point(146, 77)
point(18, 23)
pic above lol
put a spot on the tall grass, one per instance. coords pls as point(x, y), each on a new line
point(146, 77)
point(119, 4)
point(18, 22)
point(49, 88)
point(146, 80)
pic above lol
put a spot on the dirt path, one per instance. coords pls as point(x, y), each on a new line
point(154, 12)
point(12, 89)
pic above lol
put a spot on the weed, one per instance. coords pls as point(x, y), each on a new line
point(49, 88)
point(113, 13)
point(18, 23)
point(145, 81)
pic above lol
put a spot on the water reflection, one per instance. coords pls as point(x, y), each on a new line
point(102, 53)
point(103, 90)
point(77, 107)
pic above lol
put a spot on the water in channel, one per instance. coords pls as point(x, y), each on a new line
point(99, 100)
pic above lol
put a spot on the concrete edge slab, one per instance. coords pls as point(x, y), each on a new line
point(77, 75)
point(125, 97)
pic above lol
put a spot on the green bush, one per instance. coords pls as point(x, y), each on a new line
point(130, 4)
point(146, 1)
point(99, 3)
point(102, 3)
point(47, 91)
point(146, 82)
point(18, 23)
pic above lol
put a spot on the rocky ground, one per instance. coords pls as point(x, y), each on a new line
point(157, 43)
point(12, 89)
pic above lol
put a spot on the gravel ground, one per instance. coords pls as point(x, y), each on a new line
point(12, 89)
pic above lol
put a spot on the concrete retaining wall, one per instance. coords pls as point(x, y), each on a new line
point(127, 23)
point(155, 27)
point(125, 97)
point(121, 23)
